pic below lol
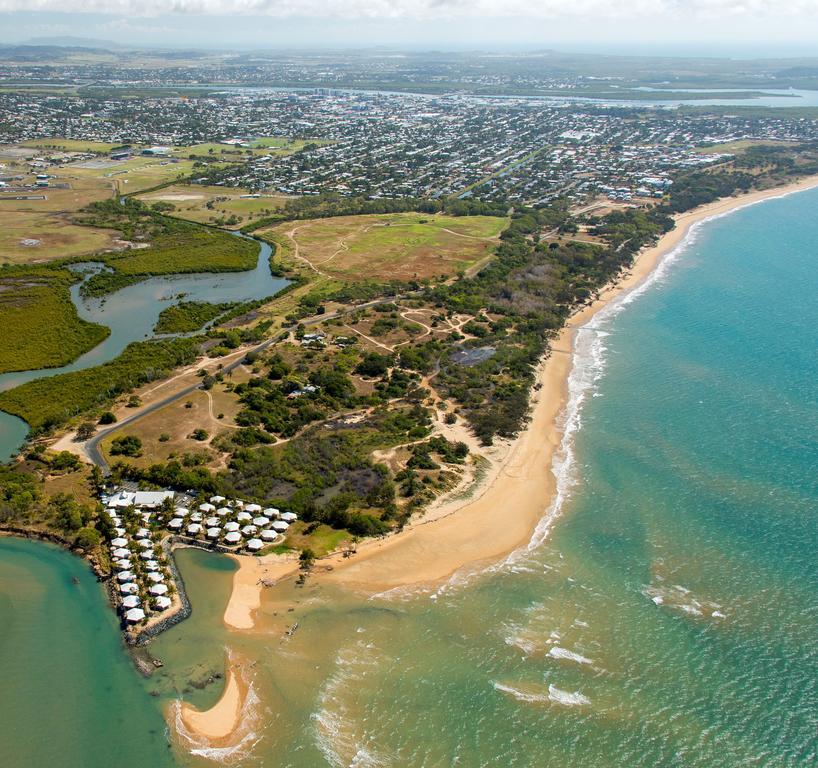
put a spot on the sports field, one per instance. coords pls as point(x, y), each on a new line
point(400, 246)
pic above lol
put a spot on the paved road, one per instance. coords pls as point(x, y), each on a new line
point(92, 448)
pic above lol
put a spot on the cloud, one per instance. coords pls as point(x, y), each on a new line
point(423, 9)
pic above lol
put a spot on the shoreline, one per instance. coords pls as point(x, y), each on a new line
point(504, 511)
point(224, 717)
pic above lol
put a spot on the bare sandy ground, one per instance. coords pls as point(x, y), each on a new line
point(223, 718)
point(248, 582)
point(519, 486)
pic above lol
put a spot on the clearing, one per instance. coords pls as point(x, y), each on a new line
point(399, 246)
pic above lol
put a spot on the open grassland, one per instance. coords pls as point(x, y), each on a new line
point(132, 175)
point(43, 328)
point(400, 246)
point(222, 206)
point(53, 236)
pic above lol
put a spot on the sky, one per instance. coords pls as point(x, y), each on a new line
point(714, 27)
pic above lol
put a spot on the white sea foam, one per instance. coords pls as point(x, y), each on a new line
point(557, 652)
point(566, 698)
point(553, 695)
point(244, 739)
point(336, 728)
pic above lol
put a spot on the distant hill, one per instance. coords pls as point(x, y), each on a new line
point(68, 41)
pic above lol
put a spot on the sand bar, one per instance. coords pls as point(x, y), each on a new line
point(248, 581)
point(222, 719)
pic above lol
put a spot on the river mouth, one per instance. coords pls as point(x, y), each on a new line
point(131, 315)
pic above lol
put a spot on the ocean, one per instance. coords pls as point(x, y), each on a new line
point(668, 619)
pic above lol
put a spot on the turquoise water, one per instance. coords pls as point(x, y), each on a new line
point(69, 695)
point(670, 617)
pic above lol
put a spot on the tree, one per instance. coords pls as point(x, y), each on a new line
point(85, 431)
point(88, 538)
point(306, 559)
point(127, 445)
point(107, 418)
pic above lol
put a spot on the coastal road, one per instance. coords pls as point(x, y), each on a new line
point(92, 447)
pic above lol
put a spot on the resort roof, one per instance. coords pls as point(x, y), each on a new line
point(119, 542)
point(129, 588)
point(269, 535)
point(213, 533)
point(255, 544)
point(280, 526)
point(131, 601)
point(207, 507)
point(121, 552)
point(163, 602)
point(234, 537)
point(134, 615)
point(231, 526)
point(123, 576)
point(158, 589)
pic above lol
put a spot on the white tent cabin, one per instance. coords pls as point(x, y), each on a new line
point(211, 521)
point(261, 522)
point(145, 543)
point(253, 508)
point(280, 526)
point(269, 535)
point(231, 526)
point(151, 565)
point(121, 552)
point(155, 577)
point(130, 601)
point(207, 508)
point(194, 529)
point(131, 588)
point(224, 511)
point(272, 512)
point(213, 533)
point(163, 602)
point(249, 530)
point(118, 542)
point(288, 517)
point(134, 615)
point(176, 523)
point(254, 545)
point(181, 512)
point(124, 576)
point(124, 564)
point(196, 517)
point(217, 499)
point(120, 531)
point(143, 533)
point(234, 537)
point(158, 589)
point(244, 517)
point(147, 554)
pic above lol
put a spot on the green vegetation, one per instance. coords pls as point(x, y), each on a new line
point(127, 445)
point(36, 303)
point(50, 402)
point(189, 316)
point(175, 247)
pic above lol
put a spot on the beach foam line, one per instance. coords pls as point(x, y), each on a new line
point(557, 652)
point(553, 695)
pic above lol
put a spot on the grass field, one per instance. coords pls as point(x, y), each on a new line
point(58, 237)
point(740, 146)
point(210, 204)
point(70, 145)
point(36, 304)
point(400, 246)
point(132, 175)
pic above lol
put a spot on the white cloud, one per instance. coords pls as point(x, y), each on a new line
point(420, 9)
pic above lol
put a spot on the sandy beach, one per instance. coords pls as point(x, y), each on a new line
point(224, 717)
point(501, 515)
